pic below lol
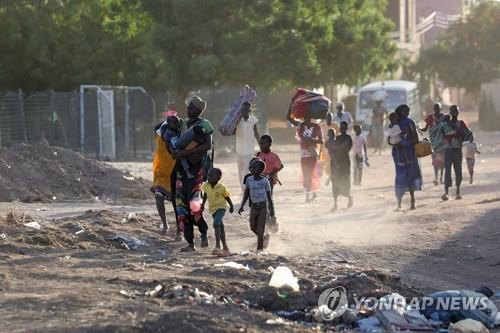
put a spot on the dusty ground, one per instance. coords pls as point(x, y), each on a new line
point(54, 280)
point(40, 173)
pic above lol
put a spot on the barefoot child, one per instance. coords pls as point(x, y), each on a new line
point(273, 166)
point(258, 189)
point(470, 156)
point(218, 198)
point(360, 154)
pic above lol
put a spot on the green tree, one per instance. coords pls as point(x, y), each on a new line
point(468, 53)
point(60, 44)
point(270, 43)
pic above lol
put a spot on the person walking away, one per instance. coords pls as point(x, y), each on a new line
point(360, 154)
point(188, 190)
point(470, 156)
point(377, 127)
point(246, 135)
point(437, 155)
point(273, 166)
point(341, 166)
point(218, 198)
point(258, 189)
point(341, 115)
point(455, 133)
point(163, 169)
point(408, 174)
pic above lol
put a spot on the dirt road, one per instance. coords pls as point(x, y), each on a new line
point(54, 280)
point(450, 244)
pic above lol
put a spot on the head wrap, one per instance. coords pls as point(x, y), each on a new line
point(198, 103)
point(403, 107)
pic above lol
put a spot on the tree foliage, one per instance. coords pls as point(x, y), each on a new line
point(184, 45)
point(468, 53)
point(60, 44)
point(270, 43)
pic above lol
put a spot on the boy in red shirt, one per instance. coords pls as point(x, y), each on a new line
point(273, 166)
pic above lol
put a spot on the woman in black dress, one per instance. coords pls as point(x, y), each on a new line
point(340, 164)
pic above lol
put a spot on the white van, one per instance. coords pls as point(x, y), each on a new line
point(392, 94)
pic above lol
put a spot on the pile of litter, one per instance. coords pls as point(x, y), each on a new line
point(92, 230)
point(44, 173)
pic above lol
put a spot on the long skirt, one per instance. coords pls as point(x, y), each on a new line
point(408, 175)
point(187, 192)
point(163, 168)
point(341, 179)
point(311, 173)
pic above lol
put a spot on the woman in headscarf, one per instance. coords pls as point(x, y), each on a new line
point(408, 175)
point(187, 188)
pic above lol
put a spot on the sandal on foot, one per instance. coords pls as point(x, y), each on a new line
point(224, 253)
point(189, 248)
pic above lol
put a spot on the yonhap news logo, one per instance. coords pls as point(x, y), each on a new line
point(333, 303)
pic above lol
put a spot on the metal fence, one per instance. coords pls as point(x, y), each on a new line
point(79, 121)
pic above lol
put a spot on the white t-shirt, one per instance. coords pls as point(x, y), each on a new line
point(346, 116)
point(357, 144)
point(470, 149)
point(245, 138)
point(394, 134)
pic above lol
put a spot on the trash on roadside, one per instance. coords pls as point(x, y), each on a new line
point(277, 321)
point(80, 231)
point(283, 278)
point(154, 292)
point(126, 294)
point(132, 217)
point(370, 325)
point(203, 297)
point(398, 320)
point(129, 177)
point(43, 209)
point(467, 326)
point(177, 265)
point(34, 225)
point(178, 291)
point(3, 236)
point(232, 264)
point(350, 316)
point(128, 242)
point(291, 315)
point(322, 314)
point(486, 313)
